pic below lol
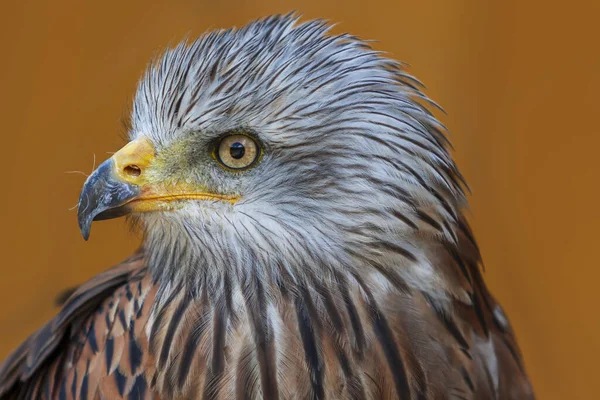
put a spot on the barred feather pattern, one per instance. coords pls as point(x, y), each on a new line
point(346, 271)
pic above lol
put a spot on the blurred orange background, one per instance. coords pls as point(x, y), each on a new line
point(519, 80)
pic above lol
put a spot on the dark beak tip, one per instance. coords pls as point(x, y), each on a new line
point(85, 232)
point(85, 225)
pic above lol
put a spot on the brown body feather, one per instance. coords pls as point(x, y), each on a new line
point(355, 340)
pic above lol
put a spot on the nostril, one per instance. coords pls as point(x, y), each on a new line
point(132, 170)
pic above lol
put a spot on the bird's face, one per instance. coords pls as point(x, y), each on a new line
point(228, 185)
point(279, 143)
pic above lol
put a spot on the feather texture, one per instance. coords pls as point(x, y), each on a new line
point(353, 339)
point(346, 271)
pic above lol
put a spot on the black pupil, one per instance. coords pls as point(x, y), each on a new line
point(237, 150)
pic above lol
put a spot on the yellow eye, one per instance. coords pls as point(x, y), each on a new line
point(237, 151)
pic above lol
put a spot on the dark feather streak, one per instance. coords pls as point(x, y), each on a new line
point(311, 349)
point(190, 349)
point(174, 323)
point(120, 380)
point(387, 342)
point(138, 390)
point(135, 351)
point(108, 352)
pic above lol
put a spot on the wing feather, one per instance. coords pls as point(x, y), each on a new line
point(36, 366)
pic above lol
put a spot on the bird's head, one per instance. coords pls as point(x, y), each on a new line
point(279, 146)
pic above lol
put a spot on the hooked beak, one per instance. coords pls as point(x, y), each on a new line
point(124, 184)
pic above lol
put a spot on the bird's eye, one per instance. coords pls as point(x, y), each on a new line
point(237, 151)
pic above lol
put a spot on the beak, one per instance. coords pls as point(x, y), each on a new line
point(124, 184)
point(116, 182)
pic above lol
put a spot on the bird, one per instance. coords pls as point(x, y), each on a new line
point(303, 237)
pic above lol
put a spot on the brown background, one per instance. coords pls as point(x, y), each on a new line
point(519, 80)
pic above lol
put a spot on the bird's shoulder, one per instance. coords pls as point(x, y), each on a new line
point(491, 365)
point(479, 328)
point(464, 341)
point(97, 333)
